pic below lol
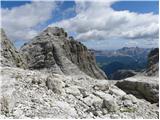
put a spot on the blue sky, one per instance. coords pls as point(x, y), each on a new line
point(64, 14)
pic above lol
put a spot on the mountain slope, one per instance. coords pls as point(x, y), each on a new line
point(54, 51)
point(9, 55)
point(153, 63)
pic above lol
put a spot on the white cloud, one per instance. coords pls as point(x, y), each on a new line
point(98, 21)
point(20, 22)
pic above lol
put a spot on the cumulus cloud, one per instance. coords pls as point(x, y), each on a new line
point(20, 22)
point(98, 21)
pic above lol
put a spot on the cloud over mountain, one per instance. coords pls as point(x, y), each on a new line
point(20, 22)
point(98, 21)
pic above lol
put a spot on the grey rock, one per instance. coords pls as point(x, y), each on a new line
point(54, 51)
point(101, 85)
point(130, 97)
point(9, 55)
point(141, 87)
point(127, 103)
point(108, 101)
point(74, 90)
point(55, 85)
point(116, 91)
point(110, 104)
point(94, 101)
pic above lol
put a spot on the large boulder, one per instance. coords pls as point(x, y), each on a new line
point(53, 51)
point(9, 55)
point(142, 87)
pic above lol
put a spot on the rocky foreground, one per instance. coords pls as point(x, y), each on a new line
point(54, 76)
point(35, 94)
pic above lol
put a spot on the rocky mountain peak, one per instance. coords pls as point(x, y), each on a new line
point(55, 31)
point(53, 51)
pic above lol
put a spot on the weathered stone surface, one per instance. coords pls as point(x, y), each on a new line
point(153, 63)
point(108, 101)
point(92, 99)
point(54, 51)
point(9, 55)
point(101, 85)
point(55, 85)
point(74, 90)
point(116, 91)
point(141, 87)
point(24, 94)
point(122, 74)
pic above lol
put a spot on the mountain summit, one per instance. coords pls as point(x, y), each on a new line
point(53, 51)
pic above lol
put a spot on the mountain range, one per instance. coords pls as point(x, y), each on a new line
point(128, 58)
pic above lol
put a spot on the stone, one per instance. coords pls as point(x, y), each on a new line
point(83, 92)
point(108, 101)
point(101, 85)
point(73, 90)
point(116, 91)
point(141, 87)
point(54, 52)
point(127, 103)
point(130, 97)
point(92, 99)
point(110, 105)
point(55, 85)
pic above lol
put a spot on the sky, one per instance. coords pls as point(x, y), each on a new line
point(102, 25)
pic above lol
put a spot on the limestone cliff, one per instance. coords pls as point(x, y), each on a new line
point(52, 50)
point(9, 55)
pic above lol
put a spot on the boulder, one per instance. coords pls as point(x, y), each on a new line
point(141, 87)
point(55, 85)
point(73, 90)
point(101, 85)
point(108, 101)
point(116, 91)
point(93, 100)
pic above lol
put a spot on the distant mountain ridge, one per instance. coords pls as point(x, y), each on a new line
point(125, 51)
point(128, 58)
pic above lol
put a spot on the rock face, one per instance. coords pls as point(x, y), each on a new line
point(122, 74)
point(54, 51)
point(153, 62)
point(142, 87)
point(9, 55)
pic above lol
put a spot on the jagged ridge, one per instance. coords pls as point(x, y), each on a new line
point(54, 51)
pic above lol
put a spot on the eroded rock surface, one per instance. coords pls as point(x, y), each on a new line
point(25, 94)
point(142, 87)
point(54, 51)
point(9, 55)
